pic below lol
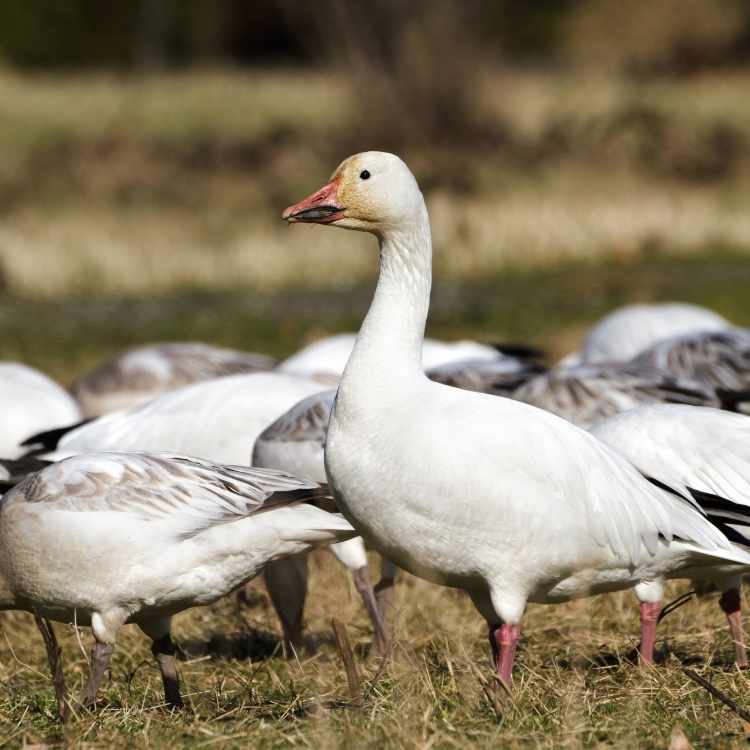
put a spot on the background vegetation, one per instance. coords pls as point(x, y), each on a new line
point(575, 156)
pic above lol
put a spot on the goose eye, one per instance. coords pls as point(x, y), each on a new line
point(364, 175)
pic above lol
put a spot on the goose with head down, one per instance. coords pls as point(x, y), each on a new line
point(30, 402)
point(294, 443)
point(111, 538)
point(499, 498)
point(141, 374)
point(704, 455)
point(627, 331)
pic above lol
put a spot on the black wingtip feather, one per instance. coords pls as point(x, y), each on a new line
point(48, 440)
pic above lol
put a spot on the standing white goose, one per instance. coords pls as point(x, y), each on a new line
point(30, 402)
point(294, 443)
point(486, 494)
point(110, 538)
point(702, 453)
point(139, 375)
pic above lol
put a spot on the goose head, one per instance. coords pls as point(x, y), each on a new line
point(369, 192)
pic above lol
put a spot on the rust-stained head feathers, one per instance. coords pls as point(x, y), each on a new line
point(368, 192)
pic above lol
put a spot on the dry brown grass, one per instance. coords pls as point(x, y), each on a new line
point(574, 684)
point(129, 185)
point(110, 185)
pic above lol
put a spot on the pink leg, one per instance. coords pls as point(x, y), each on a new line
point(504, 640)
point(731, 604)
point(649, 616)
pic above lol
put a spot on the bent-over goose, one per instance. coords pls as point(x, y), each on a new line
point(720, 359)
point(324, 360)
point(500, 376)
point(629, 330)
point(294, 443)
point(110, 538)
point(701, 453)
point(217, 419)
point(509, 502)
point(139, 375)
point(587, 393)
point(30, 402)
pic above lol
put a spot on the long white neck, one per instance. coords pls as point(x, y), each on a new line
point(388, 350)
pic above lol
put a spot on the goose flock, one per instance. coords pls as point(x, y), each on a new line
point(175, 473)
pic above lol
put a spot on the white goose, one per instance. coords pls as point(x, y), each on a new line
point(111, 538)
point(486, 494)
point(500, 376)
point(587, 393)
point(30, 402)
point(702, 453)
point(217, 419)
point(139, 375)
point(629, 330)
point(294, 443)
point(324, 360)
point(720, 359)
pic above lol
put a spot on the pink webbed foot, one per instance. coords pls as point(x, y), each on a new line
point(504, 641)
point(649, 617)
point(731, 604)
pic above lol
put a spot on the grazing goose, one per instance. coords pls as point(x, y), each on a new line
point(294, 443)
point(499, 498)
point(629, 330)
point(141, 374)
point(110, 538)
point(217, 419)
point(30, 402)
point(587, 393)
point(721, 359)
point(700, 453)
point(500, 376)
point(325, 360)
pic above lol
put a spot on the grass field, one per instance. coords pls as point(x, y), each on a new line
point(575, 685)
point(137, 210)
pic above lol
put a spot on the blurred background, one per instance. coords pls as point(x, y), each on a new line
point(575, 154)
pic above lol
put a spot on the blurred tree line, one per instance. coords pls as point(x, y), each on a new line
point(640, 37)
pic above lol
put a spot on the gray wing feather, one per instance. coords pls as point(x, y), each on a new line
point(587, 394)
point(189, 493)
point(306, 421)
point(500, 377)
point(720, 359)
point(166, 366)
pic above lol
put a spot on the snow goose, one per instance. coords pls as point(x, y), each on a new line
point(110, 538)
point(587, 393)
point(294, 443)
point(30, 402)
point(140, 374)
point(701, 453)
point(720, 359)
point(324, 360)
point(487, 494)
point(217, 419)
point(500, 376)
point(629, 330)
